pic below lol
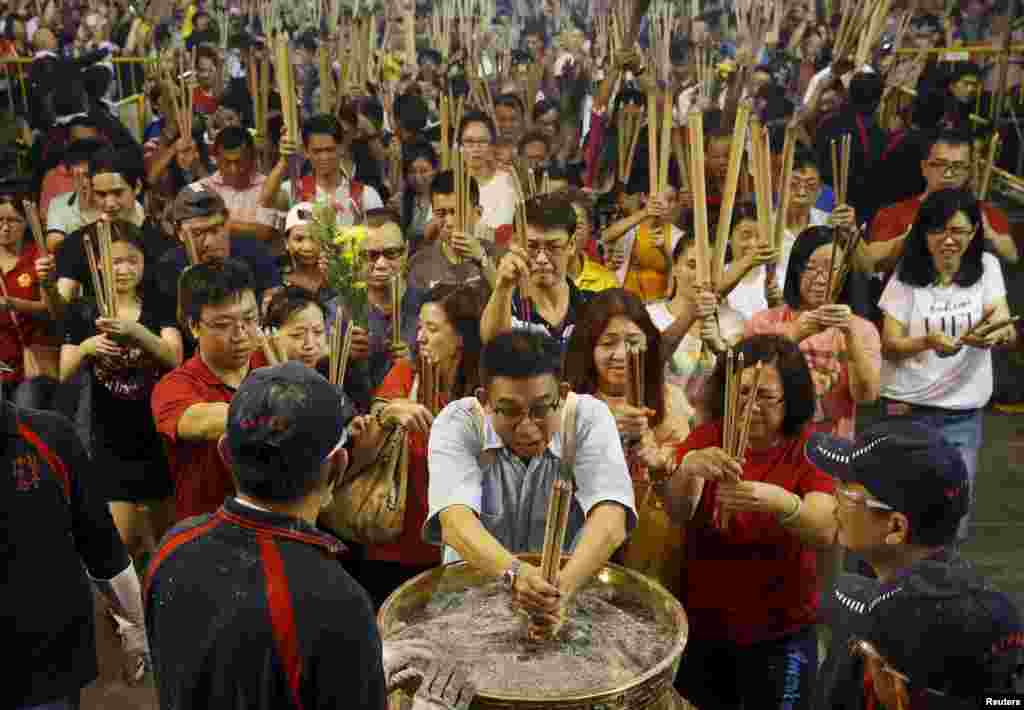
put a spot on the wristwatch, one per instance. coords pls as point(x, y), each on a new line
point(509, 576)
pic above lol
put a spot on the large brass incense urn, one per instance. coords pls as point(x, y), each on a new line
point(651, 690)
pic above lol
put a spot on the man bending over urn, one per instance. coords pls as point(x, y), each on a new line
point(492, 468)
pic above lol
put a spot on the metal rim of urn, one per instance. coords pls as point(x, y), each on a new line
point(641, 692)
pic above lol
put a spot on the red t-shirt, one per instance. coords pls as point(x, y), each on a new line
point(892, 221)
point(409, 549)
point(201, 480)
point(756, 580)
point(20, 282)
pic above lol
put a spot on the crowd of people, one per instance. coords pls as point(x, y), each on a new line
point(184, 442)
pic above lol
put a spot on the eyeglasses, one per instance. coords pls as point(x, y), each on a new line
point(961, 233)
point(552, 249)
point(945, 167)
point(538, 413)
point(850, 499)
point(762, 399)
point(372, 256)
point(225, 327)
point(481, 143)
point(813, 271)
point(808, 185)
point(11, 222)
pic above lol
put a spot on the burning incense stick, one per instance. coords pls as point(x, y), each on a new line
point(560, 502)
point(695, 126)
point(396, 310)
point(739, 140)
point(735, 443)
point(90, 254)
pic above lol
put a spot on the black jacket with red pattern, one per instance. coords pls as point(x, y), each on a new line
point(50, 525)
point(250, 609)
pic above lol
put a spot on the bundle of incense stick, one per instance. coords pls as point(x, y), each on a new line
point(635, 375)
point(286, 85)
point(698, 185)
point(328, 90)
point(838, 273)
point(340, 348)
point(519, 225)
point(101, 269)
point(429, 392)
point(868, 39)
point(760, 158)
point(985, 179)
point(732, 177)
point(396, 309)
point(664, 155)
point(629, 124)
point(259, 89)
point(36, 226)
point(445, 116)
point(785, 189)
point(986, 326)
point(531, 85)
point(841, 168)
point(736, 421)
point(463, 201)
point(560, 502)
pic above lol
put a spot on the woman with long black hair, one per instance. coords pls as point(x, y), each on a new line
point(937, 369)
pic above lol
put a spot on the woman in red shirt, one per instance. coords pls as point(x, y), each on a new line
point(448, 333)
point(23, 314)
point(751, 588)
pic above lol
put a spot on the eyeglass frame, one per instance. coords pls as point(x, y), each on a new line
point(247, 325)
point(372, 256)
point(952, 168)
point(537, 413)
point(551, 249)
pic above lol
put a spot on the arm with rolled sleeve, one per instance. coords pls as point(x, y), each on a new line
point(604, 491)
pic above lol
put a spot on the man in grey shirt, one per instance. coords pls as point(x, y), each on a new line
point(454, 257)
point(493, 460)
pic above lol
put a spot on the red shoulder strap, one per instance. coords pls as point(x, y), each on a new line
point(355, 191)
point(307, 188)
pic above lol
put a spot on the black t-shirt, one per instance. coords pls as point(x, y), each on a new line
point(122, 421)
point(50, 524)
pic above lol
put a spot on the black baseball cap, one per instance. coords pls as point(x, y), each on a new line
point(197, 201)
point(283, 423)
point(907, 466)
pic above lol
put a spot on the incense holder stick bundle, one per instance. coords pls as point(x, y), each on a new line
point(463, 202)
point(429, 392)
point(985, 327)
point(628, 135)
point(785, 189)
point(839, 273)
point(985, 182)
point(761, 163)
point(736, 424)
point(101, 269)
point(635, 380)
point(560, 502)
point(665, 155)
point(396, 310)
point(286, 85)
point(340, 349)
point(269, 347)
point(698, 185)
point(732, 177)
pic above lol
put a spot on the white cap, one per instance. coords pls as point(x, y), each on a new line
point(298, 215)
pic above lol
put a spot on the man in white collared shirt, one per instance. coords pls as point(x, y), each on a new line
point(493, 460)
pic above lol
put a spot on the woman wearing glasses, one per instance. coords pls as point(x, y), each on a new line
point(124, 358)
point(843, 350)
point(937, 370)
point(751, 588)
point(23, 341)
point(595, 364)
point(448, 334)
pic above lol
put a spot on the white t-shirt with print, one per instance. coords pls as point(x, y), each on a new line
point(498, 200)
point(961, 381)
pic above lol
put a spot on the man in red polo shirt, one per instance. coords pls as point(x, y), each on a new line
point(948, 166)
point(190, 404)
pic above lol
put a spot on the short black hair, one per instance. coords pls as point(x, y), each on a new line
point(477, 117)
point(419, 151)
point(286, 303)
point(551, 212)
point(510, 101)
point(803, 159)
point(444, 184)
point(917, 267)
point(412, 112)
point(321, 125)
point(81, 151)
point(122, 161)
point(950, 138)
point(211, 284)
point(519, 355)
point(542, 107)
point(233, 138)
point(798, 394)
point(534, 137)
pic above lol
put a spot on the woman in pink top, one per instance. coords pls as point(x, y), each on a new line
point(843, 351)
